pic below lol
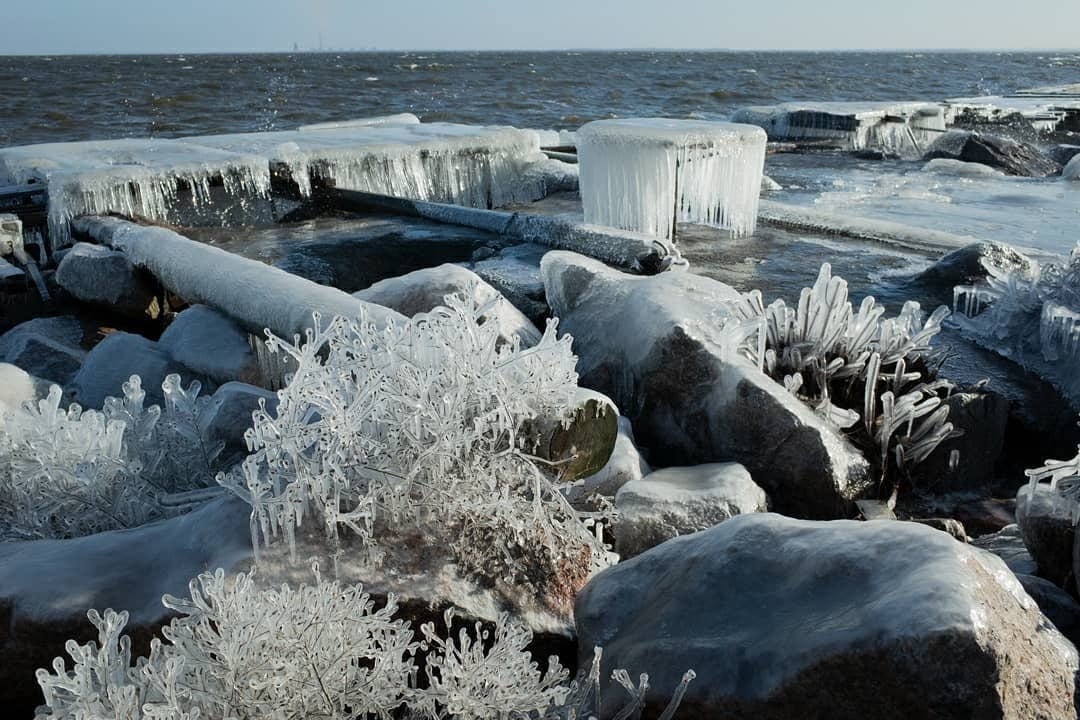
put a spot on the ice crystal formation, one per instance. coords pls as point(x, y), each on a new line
point(415, 431)
point(72, 472)
point(647, 174)
point(1032, 317)
point(856, 368)
point(318, 651)
point(1063, 476)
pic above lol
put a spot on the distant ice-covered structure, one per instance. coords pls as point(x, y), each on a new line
point(897, 127)
point(646, 174)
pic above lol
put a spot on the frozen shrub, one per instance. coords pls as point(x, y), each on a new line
point(70, 472)
point(857, 369)
point(414, 431)
point(319, 651)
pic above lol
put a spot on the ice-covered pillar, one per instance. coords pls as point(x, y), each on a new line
point(646, 174)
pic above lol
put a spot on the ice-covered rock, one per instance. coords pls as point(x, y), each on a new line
point(115, 359)
point(1045, 517)
point(646, 174)
point(515, 272)
point(1062, 154)
point(1008, 544)
point(47, 348)
point(210, 344)
point(982, 416)
point(227, 414)
point(972, 263)
point(422, 290)
point(1056, 604)
point(1010, 156)
point(961, 168)
point(782, 618)
point(96, 274)
point(682, 500)
point(653, 345)
point(625, 465)
point(769, 185)
point(16, 387)
point(1071, 171)
point(47, 586)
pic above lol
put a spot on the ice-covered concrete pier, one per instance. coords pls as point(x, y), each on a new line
point(176, 180)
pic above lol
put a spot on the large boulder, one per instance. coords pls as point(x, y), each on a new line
point(211, 344)
point(682, 500)
point(47, 348)
point(1013, 157)
point(1045, 517)
point(47, 586)
point(1062, 154)
point(652, 344)
point(1008, 544)
point(1057, 605)
point(1072, 170)
point(783, 618)
point(114, 360)
point(515, 272)
point(96, 274)
point(970, 264)
point(422, 290)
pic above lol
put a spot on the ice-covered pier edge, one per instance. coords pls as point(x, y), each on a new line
point(647, 174)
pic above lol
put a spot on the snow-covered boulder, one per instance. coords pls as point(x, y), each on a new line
point(652, 345)
point(1045, 518)
point(422, 290)
point(1013, 157)
point(47, 586)
point(1008, 544)
point(47, 348)
point(227, 414)
point(624, 465)
point(115, 359)
point(211, 344)
point(1072, 169)
point(783, 618)
point(96, 274)
point(682, 500)
point(16, 387)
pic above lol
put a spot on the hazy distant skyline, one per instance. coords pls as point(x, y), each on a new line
point(153, 26)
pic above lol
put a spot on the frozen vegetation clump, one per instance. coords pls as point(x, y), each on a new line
point(318, 651)
point(72, 472)
point(414, 434)
point(1032, 317)
point(863, 372)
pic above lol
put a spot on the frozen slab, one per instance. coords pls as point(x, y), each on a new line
point(398, 119)
point(137, 177)
point(646, 174)
point(900, 127)
point(469, 165)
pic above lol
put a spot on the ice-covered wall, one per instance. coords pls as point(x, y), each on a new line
point(646, 174)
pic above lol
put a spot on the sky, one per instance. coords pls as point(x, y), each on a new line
point(190, 26)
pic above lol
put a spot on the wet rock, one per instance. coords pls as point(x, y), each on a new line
point(650, 343)
point(115, 359)
point(982, 416)
point(972, 263)
point(211, 344)
point(1008, 544)
point(625, 465)
point(422, 290)
point(782, 618)
point(515, 272)
point(227, 415)
point(96, 274)
point(1013, 157)
point(47, 348)
point(1056, 604)
point(1045, 518)
point(682, 500)
point(1062, 154)
point(47, 586)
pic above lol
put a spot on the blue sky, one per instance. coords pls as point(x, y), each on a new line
point(119, 26)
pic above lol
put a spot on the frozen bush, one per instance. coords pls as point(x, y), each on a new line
point(414, 431)
point(69, 472)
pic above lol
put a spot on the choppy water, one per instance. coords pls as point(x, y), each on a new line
point(49, 99)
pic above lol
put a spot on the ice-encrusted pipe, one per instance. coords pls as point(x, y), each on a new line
point(252, 293)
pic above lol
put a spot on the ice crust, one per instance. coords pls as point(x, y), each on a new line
point(646, 174)
point(462, 164)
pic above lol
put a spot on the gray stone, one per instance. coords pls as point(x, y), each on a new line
point(1013, 157)
point(652, 345)
point(96, 274)
point(227, 414)
point(422, 290)
point(211, 344)
point(47, 348)
point(515, 272)
point(115, 359)
point(682, 500)
point(1008, 544)
point(1056, 604)
point(982, 416)
point(782, 618)
point(1046, 524)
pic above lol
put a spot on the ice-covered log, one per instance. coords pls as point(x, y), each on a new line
point(646, 174)
point(252, 293)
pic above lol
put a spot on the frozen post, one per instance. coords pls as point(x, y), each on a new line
point(646, 174)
